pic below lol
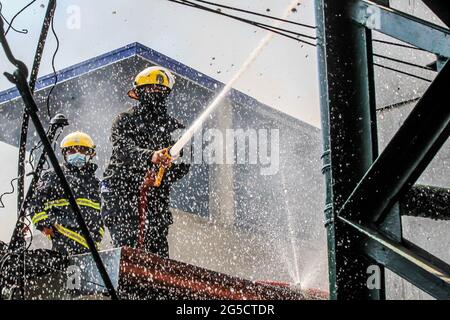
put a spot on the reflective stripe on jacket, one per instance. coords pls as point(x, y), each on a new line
point(51, 209)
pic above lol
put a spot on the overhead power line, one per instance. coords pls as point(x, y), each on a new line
point(10, 24)
point(402, 72)
point(55, 74)
point(283, 32)
point(403, 62)
point(23, 31)
point(399, 45)
point(256, 14)
point(276, 30)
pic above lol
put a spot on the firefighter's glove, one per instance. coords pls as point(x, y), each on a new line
point(162, 157)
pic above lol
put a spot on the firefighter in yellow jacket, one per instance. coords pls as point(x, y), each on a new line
point(51, 212)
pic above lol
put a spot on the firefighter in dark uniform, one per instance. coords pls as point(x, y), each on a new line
point(51, 212)
point(139, 137)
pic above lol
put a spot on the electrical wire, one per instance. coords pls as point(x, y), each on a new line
point(55, 74)
point(13, 189)
point(251, 22)
point(255, 13)
point(402, 72)
point(31, 157)
point(283, 32)
point(399, 45)
point(23, 31)
point(279, 31)
point(11, 27)
point(287, 31)
point(403, 62)
point(2, 205)
point(276, 30)
point(16, 15)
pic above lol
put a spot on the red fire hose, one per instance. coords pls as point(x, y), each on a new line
point(149, 181)
point(153, 178)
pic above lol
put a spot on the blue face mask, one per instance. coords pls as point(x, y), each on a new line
point(77, 159)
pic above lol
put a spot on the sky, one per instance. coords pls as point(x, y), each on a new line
point(284, 76)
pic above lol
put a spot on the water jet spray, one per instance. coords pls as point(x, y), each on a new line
point(174, 151)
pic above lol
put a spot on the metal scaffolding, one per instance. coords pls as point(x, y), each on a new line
point(363, 188)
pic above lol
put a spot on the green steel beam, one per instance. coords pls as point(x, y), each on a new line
point(438, 64)
point(326, 158)
point(404, 27)
point(426, 202)
point(440, 9)
point(412, 263)
point(382, 2)
point(392, 225)
point(347, 140)
point(405, 157)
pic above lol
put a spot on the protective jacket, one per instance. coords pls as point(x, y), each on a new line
point(50, 208)
point(136, 134)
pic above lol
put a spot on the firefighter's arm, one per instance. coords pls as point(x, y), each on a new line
point(40, 212)
point(124, 144)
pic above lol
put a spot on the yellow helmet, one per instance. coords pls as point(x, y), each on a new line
point(77, 139)
point(152, 75)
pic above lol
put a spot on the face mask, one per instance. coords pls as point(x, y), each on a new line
point(153, 97)
point(77, 159)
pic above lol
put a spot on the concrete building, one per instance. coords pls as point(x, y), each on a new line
point(256, 214)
